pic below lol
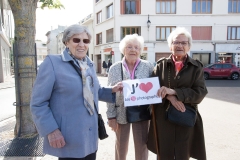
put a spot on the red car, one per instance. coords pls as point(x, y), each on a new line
point(221, 70)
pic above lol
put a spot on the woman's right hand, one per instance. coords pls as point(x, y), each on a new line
point(113, 124)
point(176, 103)
point(164, 91)
point(56, 139)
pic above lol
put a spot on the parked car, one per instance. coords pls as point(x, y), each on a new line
point(221, 70)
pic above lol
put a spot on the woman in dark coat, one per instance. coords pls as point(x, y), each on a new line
point(187, 86)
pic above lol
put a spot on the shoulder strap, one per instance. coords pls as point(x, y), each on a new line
point(121, 71)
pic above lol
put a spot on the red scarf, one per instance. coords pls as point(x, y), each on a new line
point(178, 64)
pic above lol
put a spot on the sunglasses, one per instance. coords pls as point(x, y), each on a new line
point(77, 40)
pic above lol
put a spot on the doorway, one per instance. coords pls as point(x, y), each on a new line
point(99, 64)
point(203, 57)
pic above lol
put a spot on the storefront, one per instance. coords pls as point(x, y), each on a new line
point(228, 53)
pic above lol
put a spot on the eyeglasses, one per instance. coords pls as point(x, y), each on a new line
point(183, 43)
point(131, 47)
point(77, 40)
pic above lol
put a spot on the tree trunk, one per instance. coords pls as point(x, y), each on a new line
point(24, 13)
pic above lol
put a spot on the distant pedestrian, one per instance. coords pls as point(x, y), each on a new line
point(105, 67)
point(109, 64)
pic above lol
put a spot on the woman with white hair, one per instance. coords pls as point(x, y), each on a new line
point(65, 99)
point(131, 46)
point(182, 83)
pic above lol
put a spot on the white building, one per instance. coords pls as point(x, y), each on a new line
point(52, 40)
point(41, 50)
point(214, 25)
point(6, 20)
point(60, 45)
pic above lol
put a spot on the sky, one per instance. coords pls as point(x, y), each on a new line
point(47, 19)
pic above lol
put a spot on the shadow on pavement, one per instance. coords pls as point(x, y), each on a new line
point(224, 89)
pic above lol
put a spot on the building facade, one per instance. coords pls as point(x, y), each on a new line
point(53, 40)
point(213, 24)
point(41, 50)
point(6, 33)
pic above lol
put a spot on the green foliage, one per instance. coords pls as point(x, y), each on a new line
point(51, 4)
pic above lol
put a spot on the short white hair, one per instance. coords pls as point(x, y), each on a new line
point(179, 31)
point(131, 38)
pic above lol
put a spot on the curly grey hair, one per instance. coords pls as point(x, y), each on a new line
point(130, 38)
point(75, 29)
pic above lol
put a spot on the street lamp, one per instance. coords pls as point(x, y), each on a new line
point(148, 22)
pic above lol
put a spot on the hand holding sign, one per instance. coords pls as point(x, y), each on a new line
point(141, 91)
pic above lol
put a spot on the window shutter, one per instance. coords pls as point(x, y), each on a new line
point(202, 33)
point(138, 6)
point(122, 6)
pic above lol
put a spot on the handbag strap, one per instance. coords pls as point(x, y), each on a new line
point(121, 71)
point(80, 74)
point(169, 85)
point(169, 72)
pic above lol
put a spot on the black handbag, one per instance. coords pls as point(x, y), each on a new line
point(102, 134)
point(137, 113)
point(187, 118)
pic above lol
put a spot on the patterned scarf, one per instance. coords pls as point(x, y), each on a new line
point(87, 82)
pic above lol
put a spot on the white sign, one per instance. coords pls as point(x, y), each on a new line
point(141, 91)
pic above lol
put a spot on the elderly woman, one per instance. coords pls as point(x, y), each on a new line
point(187, 86)
point(133, 68)
point(64, 103)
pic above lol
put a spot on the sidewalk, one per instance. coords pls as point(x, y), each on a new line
point(9, 83)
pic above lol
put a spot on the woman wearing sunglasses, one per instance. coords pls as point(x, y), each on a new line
point(64, 101)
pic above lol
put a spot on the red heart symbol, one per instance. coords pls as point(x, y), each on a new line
point(146, 87)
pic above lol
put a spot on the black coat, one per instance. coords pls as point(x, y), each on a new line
point(109, 64)
point(104, 64)
point(175, 140)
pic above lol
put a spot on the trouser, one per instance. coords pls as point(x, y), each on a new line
point(88, 157)
point(140, 132)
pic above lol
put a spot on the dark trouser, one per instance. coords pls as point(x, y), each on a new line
point(88, 157)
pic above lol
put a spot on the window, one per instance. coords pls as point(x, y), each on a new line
point(130, 6)
point(202, 33)
point(166, 6)
point(99, 17)
point(110, 35)
point(233, 6)
point(234, 33)
point(201, 6)
point(227, 66)
point(99, 38)
point(130, 30)
point(110, 11)
point(163, 32)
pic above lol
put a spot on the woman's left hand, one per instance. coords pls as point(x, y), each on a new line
point(117, 87)
point(163, 91)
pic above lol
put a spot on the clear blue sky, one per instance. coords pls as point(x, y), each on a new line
point(75, 10)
